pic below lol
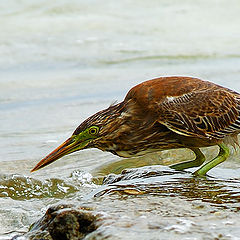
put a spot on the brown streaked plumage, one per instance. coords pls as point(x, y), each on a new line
point(159, 114)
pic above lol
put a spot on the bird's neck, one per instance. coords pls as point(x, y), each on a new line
point(133, 132)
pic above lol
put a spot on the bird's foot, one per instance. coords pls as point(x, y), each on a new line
point(198, 161)
point(221, 157)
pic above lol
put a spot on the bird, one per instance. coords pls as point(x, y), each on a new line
point(161, 114)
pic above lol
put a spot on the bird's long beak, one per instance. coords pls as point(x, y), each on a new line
point(69, 146)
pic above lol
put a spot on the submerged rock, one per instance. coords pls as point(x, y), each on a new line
point(62, 222)
point(147, 202)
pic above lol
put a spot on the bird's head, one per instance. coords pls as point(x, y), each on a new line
point(94, 130)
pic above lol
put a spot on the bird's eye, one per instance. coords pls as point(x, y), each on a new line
point(93, 130)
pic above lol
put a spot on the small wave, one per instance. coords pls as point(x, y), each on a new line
point(22, 187)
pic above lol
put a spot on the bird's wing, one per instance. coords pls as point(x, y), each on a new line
point(203, 113)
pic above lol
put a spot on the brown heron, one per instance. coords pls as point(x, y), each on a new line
point(159, 114)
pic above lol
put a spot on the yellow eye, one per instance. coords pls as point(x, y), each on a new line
point(93, 130)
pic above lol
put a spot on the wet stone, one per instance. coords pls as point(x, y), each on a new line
point(163, 181)
point(62, 222)
point(137, 173)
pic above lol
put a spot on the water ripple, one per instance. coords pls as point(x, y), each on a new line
point(22, 187)
point(165, 182)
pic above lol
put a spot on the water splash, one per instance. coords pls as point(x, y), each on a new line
point(20, 187)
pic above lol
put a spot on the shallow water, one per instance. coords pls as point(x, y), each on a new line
point(63, 61)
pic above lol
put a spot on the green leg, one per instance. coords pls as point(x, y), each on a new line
point(198, 161)
point(221, 157)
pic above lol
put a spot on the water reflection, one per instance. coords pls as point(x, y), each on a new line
point(165, 182)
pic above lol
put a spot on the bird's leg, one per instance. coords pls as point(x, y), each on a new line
point(221, 157)
point(198, 161)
